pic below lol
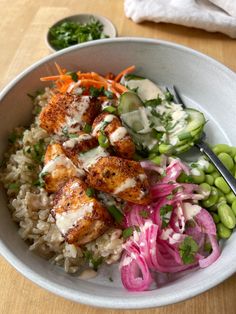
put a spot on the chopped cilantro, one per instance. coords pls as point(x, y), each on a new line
point(143, 213)
point(108, 94)
point(14, 186)
point(94, 261)
point(128, 232)
point(95, 92)
point(38, 151)
point(184, 178)
point(187, 250)
point(165, 214)
point(73, 75)
point(90, 192)
point(169, 97)
point(153, 102)
point(87, 128)
point(70, 33)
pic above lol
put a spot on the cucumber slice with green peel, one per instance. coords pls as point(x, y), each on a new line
point(196, 120)
point(133, 120)
point(129, 77)
point(146, 89)
point(129, 102)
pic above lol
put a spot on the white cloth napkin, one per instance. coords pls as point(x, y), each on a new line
point(193, 13)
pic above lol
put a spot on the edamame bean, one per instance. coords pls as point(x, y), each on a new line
point(222, 199)
point(233, 151)
point(210, 168)
point(235, 159)
point(212, 199)
point(226, 216)
point(226, 160)
point(230, 197)
point(215, 218)
point(157, 159)
point(215, 174)
point(221, 148)
point(198, 175)
point(223, 232)
point(209, 179)
point(165, 148)
point(233, 206)
point(222, 185)
point(205, 189)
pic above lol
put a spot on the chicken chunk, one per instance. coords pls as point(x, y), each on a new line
point(68, 113)
point(58, 168)
point(121, 177)
point(80, 143)
point(79, 218)
point(116, 133)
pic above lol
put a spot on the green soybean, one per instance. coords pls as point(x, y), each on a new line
point(222, 185)
point(205, 189)
point(230, 197)
point(222, 199)
point(233, 151)
point(210, 168)
point(209, 179)
point(226, 216)
point(215, 217)
point(233, 206)
point(223, 232)
point(198, 175)
point(215, 174)
point(165, 148)
point(212, 199)
point(235, 159)
point(226, 160)
point(221, 148)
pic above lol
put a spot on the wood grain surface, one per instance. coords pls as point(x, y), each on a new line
point(23, 25)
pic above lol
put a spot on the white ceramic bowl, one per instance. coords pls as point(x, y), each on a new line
point(108, 27)
point(204, 83)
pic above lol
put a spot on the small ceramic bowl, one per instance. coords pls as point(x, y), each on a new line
point(109, 28)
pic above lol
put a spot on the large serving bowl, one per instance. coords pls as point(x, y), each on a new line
point(203, 82)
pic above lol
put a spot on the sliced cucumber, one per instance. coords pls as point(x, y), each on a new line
point(146, 89)
point(133, 120)
point(129, 77)
point(129, 102)
point(196, 120)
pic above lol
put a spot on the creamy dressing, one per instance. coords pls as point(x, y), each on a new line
point(146, 89)
point(127, 184)
point(100, 125)
point(92, 156)
point(75, 113)
point(67, 220)
point(118, 135)
point(73, 141)
point(190, 211)
point(64, 161)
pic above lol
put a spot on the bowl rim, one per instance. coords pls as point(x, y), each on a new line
point(99, 17)
point(106, 301)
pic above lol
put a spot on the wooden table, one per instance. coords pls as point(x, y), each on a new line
point(23, 25)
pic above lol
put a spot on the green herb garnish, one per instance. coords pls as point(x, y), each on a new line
point(87, 128)
point(95, 92)
point(73, 75)
point(187, 250)
point(108, 94)
point(165, 214)
point(103, 140)
point(94, 261)
point(128, 232)
point(143, 213)
point(116, 213)
point(169, 97)
point(110, 109)
point(70, 33)
point(72, 135)
point(184, 178)
point(38, 151)
point(14, 186)
point(153, 102)
point(90, 192)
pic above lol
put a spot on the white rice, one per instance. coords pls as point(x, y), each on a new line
point(30, 205)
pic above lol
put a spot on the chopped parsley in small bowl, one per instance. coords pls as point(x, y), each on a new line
point(78, 29)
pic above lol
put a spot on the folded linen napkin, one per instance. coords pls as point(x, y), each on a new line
point(193, 13)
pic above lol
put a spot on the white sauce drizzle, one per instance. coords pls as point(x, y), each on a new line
point(73, 141)
point(61, 160)
point(118, 135)
point(67, 220)
point(190, 210)
point(100, 125)
point(92, 156)
point(127, 184)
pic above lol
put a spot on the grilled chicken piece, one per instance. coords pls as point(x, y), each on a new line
point(121, 177)
point(79, 144)
point(68, 113)
point(79, 218)
point(116, 133)
point(58, 168)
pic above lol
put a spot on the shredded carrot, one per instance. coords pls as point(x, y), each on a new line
point(88, 79)
point(124, 72)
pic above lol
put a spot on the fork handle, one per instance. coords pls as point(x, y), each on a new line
point(204, 148)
